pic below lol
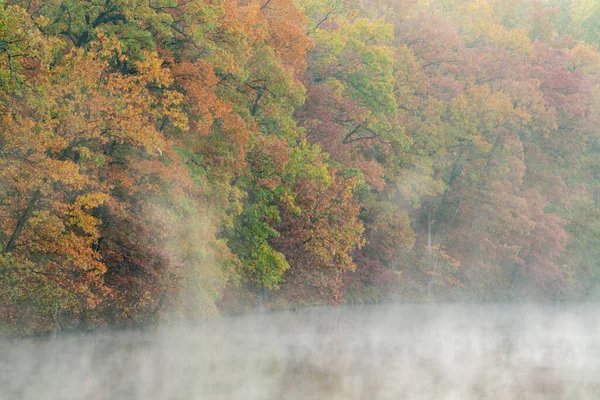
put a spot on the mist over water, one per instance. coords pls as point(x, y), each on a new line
point(392, 352)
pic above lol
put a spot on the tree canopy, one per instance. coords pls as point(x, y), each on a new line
point(183, 158)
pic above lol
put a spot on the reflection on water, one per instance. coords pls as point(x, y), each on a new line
point(401, 352)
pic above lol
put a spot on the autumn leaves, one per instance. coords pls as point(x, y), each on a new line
point(171, 159)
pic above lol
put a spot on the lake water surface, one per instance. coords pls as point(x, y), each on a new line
point(386, 352)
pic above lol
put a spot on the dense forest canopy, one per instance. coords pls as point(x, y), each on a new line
point(165, 159)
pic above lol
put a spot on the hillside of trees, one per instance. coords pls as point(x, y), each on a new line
point(167, 159)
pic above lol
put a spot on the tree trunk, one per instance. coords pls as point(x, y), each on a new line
point(429, 229)
point(21, 222)
point(261, 299)
point(482, 183)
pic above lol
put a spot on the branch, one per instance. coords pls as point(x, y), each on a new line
point(360, 138)
point(265, 5)
point(437, 62)
point(21, 222)
point(255, 106)
point(352, 132)
point(334, 8)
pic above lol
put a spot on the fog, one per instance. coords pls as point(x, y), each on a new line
point(394, 352)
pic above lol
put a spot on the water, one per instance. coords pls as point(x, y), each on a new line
point(400, 352)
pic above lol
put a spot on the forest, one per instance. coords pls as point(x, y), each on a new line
point(184, 159)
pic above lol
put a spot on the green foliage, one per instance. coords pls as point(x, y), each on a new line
point(585, 20)
point(250, 240)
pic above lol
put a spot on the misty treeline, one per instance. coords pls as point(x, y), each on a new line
point(166, 159)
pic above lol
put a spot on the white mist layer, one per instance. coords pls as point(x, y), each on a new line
point(403, 352)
